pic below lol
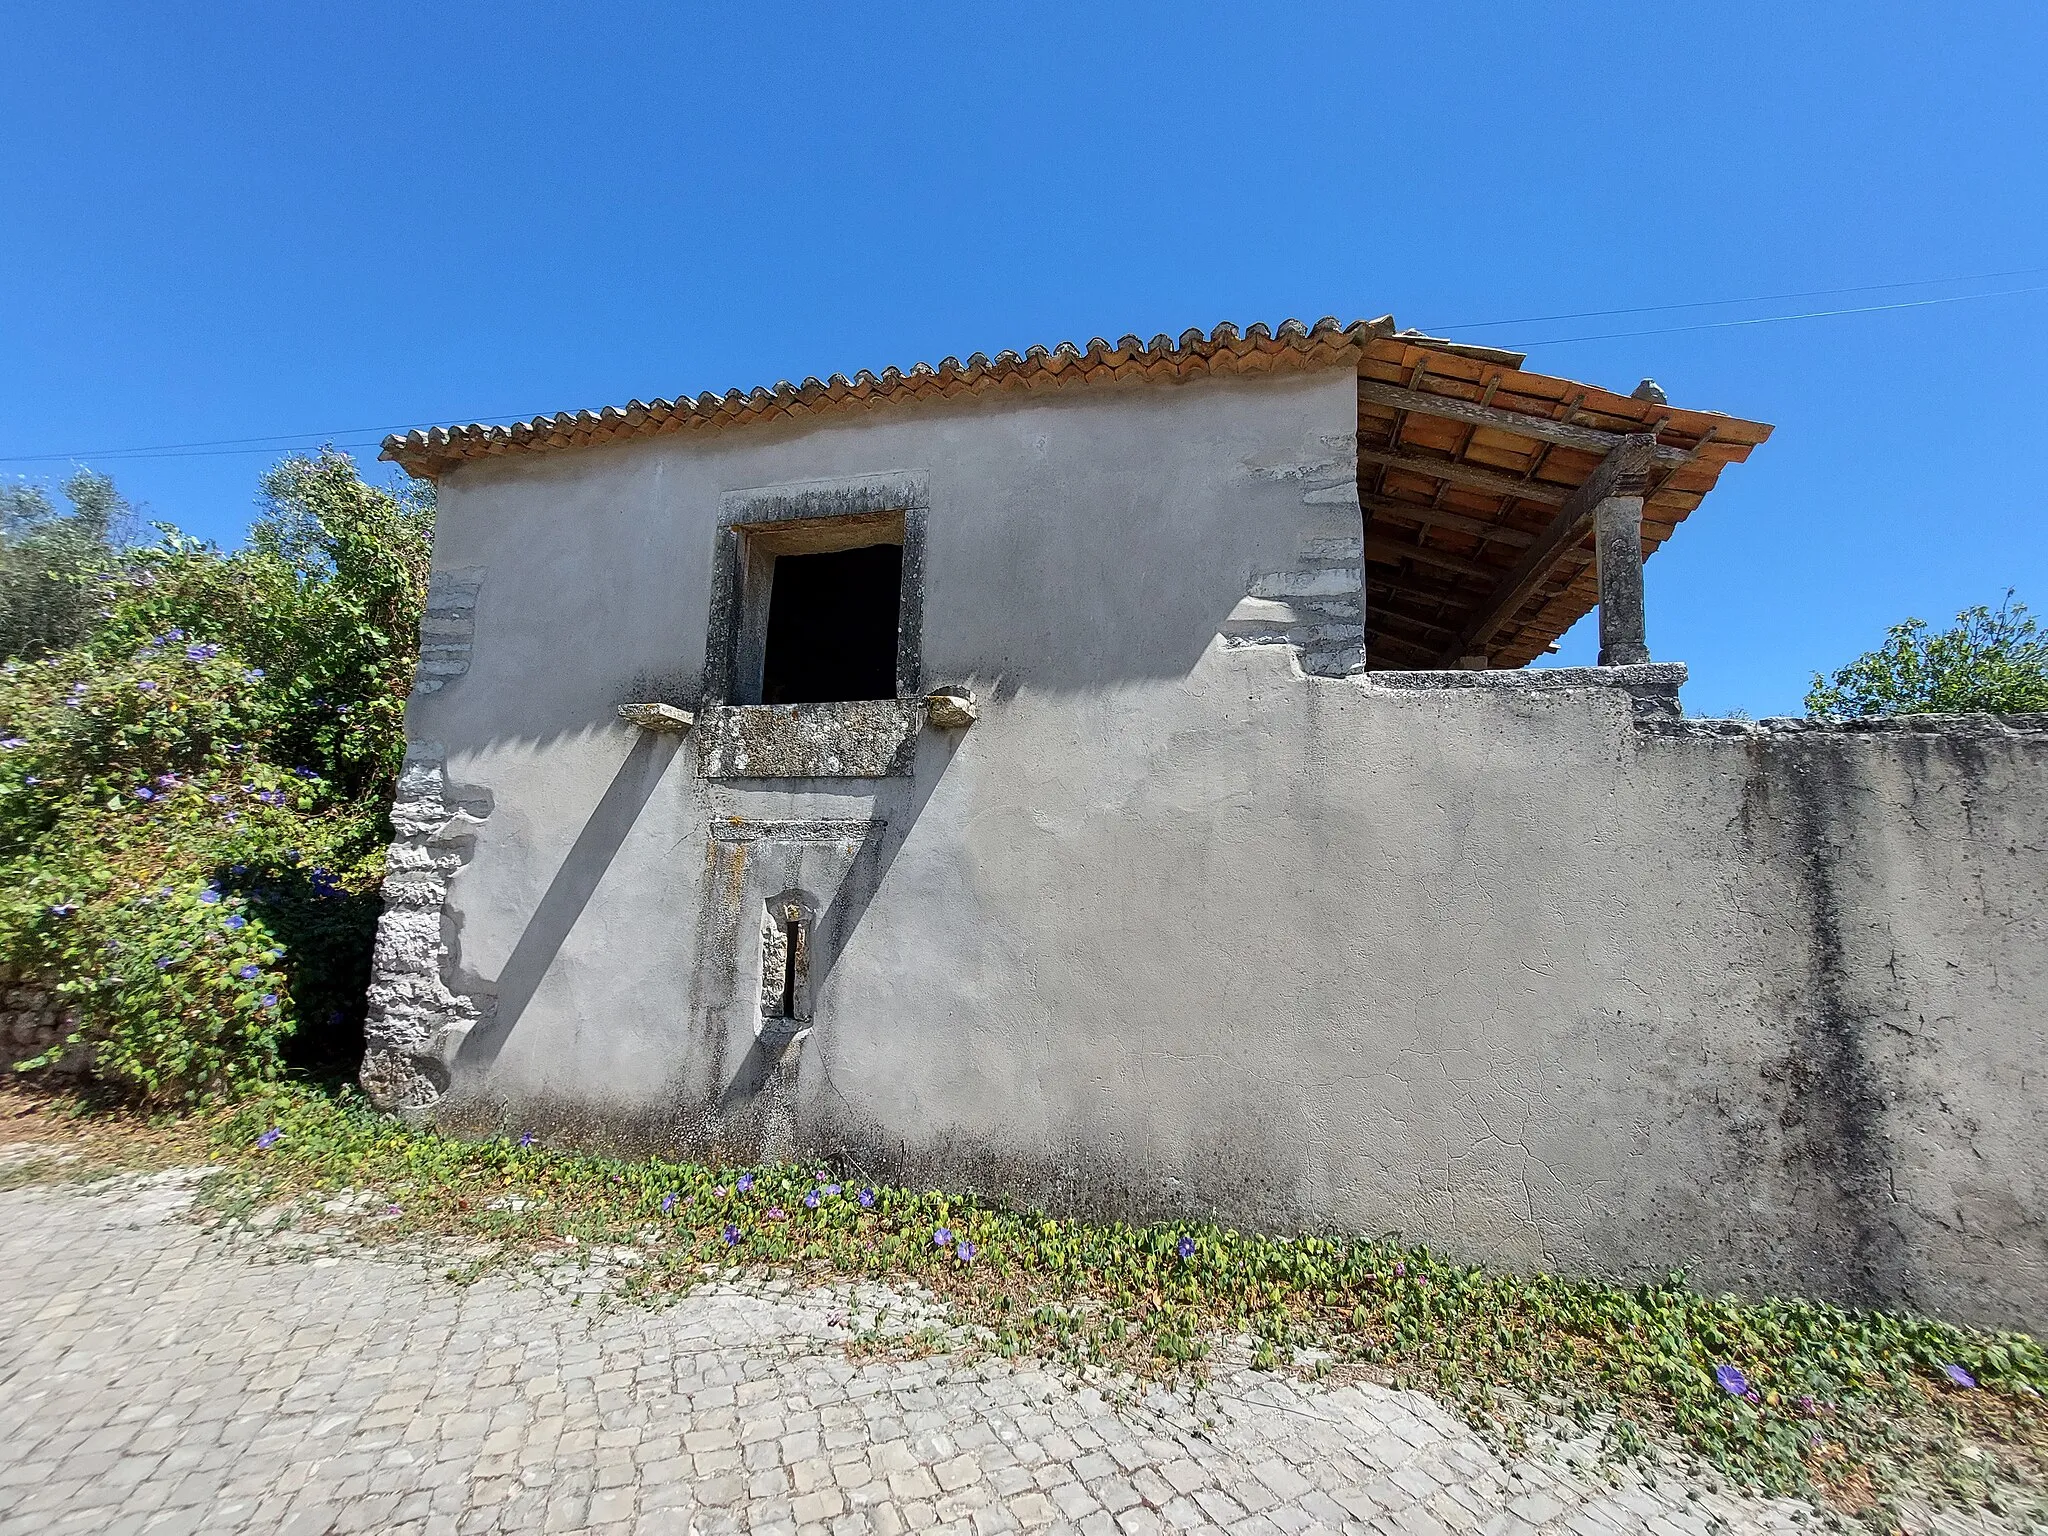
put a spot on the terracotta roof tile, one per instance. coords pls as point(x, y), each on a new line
point(1225, 349)
point(1464, 457)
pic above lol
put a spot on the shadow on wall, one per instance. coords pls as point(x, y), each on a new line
point(562, 904)
point(889, 807)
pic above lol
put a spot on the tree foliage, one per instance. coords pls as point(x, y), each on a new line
point(52, 562)
point(1993, 661)
point(193, 794)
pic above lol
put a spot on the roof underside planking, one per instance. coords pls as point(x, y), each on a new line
point(1477, 478)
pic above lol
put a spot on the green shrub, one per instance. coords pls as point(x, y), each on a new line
point(1994, 662)
point(193, 798)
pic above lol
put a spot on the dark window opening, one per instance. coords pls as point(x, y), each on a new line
point(790, 952)
point(832, 622)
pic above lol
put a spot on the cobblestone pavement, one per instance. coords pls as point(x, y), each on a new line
point(156, 1378)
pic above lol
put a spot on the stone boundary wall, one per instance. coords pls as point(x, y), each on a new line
point(31, 1022)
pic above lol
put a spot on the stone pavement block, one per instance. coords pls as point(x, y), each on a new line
point(180, 1382)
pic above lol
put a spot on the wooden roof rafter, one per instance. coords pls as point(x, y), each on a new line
point(1479, 506)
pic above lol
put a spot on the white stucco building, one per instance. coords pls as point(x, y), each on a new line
point(1110, 776)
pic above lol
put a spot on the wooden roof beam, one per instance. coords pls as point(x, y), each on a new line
point(1443, 517)
point(1563, 434)
point(1622, 473)
point(1393, 552)
point(1470, 476)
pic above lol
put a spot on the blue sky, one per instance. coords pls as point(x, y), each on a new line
point(230, 222)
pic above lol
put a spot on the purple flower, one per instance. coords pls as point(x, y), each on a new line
point(269, 1138)
point(237, 921)
point(210, 895)
point(731, 1234)
point(215, 799)
point(1185, 1248)
point(171, 637)
point(12, 742)
point(830, 1190)
point(867, 1199)
point(942, 1237)
point(811, 1200)
point(668, 1203)
point(63, 909)
point(202, 652)
point(965, 1253)
point(146, 686)
point(164, 962)
point(777, 1213)
point(1958, 1375)
point(268, 1000)
point(526, 1140)
point(29, 778)
point(250, 972)
point(253, 675)
point(744, 1183)
point(1731, 1380)
point(1401, 1270)
point(231, 818)
point(145, 793)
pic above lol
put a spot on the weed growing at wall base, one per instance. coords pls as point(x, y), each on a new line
point(1790, 1396)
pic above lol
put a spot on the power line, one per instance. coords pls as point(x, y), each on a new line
point(270, 443)
point(1758, 298)
point(230, 446)
point(1814, 314)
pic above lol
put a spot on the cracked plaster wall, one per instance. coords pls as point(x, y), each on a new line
point(1521, 966)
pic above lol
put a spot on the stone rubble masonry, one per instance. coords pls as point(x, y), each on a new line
point(32, 1021)
point(448, 628)
point(1317, 607)
point(416, 1023)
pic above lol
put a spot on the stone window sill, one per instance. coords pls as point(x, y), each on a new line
point(859, 739)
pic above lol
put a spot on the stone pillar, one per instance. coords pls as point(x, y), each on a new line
point(1618, 547)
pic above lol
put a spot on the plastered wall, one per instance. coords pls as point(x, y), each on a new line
point(1519, 965)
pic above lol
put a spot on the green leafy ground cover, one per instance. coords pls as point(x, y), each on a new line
point(1846, 1408)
